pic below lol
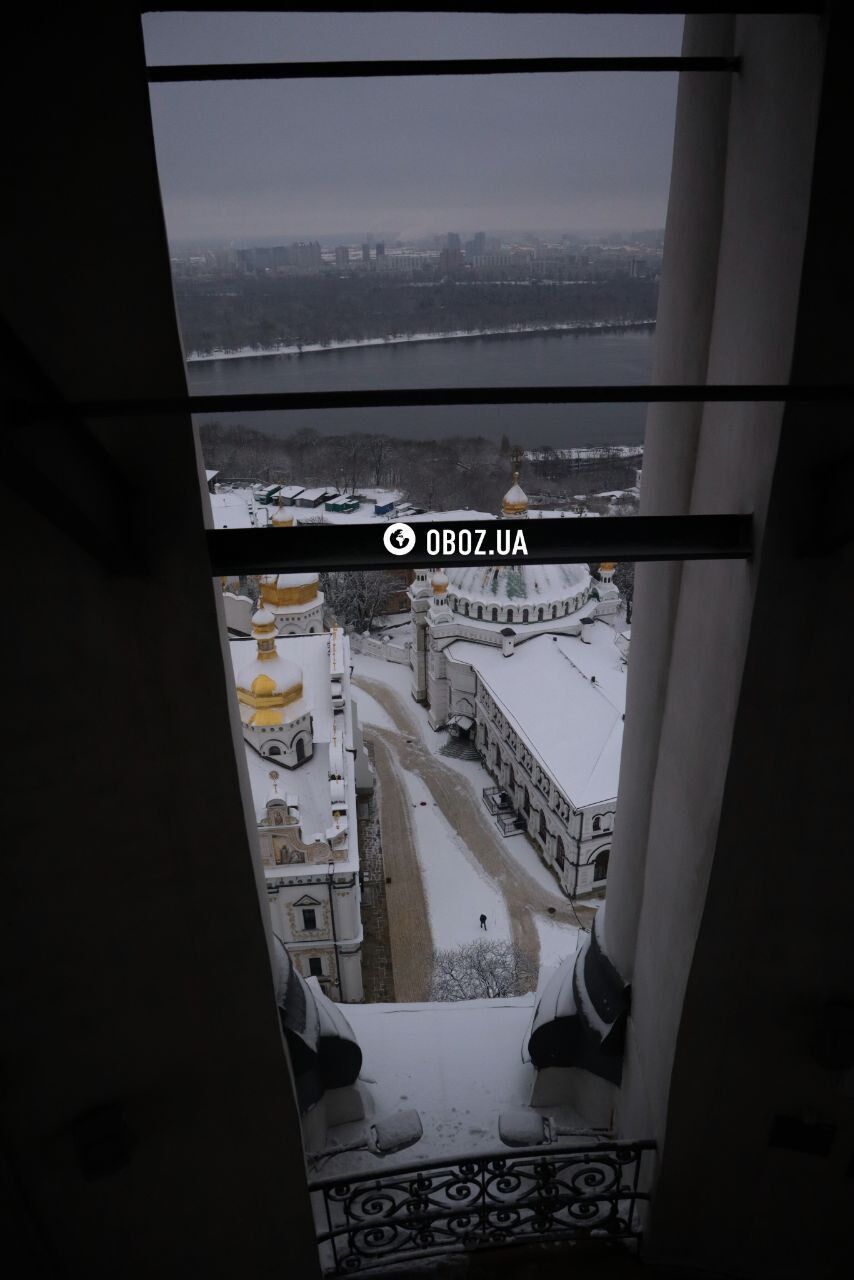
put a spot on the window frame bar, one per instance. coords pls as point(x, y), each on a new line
point(184, 73)
point(27, 410)
point(554, 540)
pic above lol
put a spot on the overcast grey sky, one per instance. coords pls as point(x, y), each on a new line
point(278, 159)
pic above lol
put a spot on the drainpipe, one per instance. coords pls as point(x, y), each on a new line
point(330, 871)
point(578, 851)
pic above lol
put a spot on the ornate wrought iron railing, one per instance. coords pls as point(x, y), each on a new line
point(367, 1221)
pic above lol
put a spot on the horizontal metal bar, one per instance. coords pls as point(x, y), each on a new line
point(264, 402)
point(618, 10)
point(511, 1155)
point(549, 541)
point(186, 72)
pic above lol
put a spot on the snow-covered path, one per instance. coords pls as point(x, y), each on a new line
point(471, 871)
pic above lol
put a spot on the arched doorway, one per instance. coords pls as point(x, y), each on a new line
point(300, 750)
point(600, 866)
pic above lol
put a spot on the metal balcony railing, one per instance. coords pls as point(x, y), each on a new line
point(497, 800)
point(594, 1193)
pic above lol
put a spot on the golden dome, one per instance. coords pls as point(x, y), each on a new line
point(607, 567)
point(278, 589)
point(282, 518)
point(439, 582)
point(515, 500)
point(263, 686)
point(269, 682)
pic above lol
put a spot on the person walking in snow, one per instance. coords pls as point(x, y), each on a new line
point(483, 922)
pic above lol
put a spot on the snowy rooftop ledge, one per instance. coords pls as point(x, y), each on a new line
point(459, 1064)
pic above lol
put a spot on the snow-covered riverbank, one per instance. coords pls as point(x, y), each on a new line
point(311, 348)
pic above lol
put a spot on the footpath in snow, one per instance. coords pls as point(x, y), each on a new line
point(467, 868)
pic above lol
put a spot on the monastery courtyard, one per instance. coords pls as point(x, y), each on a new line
point(445, 860)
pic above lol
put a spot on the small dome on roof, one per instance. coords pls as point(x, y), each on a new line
point(439, 582)
point(507, 631)
point(515, 501)
point(263, 619)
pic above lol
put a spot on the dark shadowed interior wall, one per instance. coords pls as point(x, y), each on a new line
point(148, 1117)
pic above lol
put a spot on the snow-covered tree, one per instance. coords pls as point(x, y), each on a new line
point(356, 597)
point(484, 970)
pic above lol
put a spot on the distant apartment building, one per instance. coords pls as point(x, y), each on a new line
point(366, 253)
point(405, 261)
point(342, 257)
point(451, 259)
point(306, 254)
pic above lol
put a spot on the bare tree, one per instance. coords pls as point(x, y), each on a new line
point(484, 970)
point(378, 449)
point(356, 597)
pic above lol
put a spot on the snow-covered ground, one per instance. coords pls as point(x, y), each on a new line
point(557, 941)
point(456, 888)
point(399, 678)
point(370, 711)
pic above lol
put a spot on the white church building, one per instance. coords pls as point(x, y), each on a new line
point(302, 752)
point(524, 659)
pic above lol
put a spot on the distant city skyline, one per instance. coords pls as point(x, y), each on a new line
point(329, 240)
point(240, 161)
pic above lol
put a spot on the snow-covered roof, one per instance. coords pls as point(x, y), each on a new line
point(533, 584)
point(282, 580)
point(573, 726)
point(209, 475)
point(290, 490)
point(231, 510)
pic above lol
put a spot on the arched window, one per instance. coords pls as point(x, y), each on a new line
point(597, 823)
point(511, 779)
point(524, 615)
point(543, 829)
point(600, 866)
point(539, 615)
point(300, 750)
point(560, 855)
point(526, 801)
point(494, 615)
point(479, 613)
point(274, 750)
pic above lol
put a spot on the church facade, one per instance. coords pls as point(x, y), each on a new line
point(302, 742)
point(524, 660)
